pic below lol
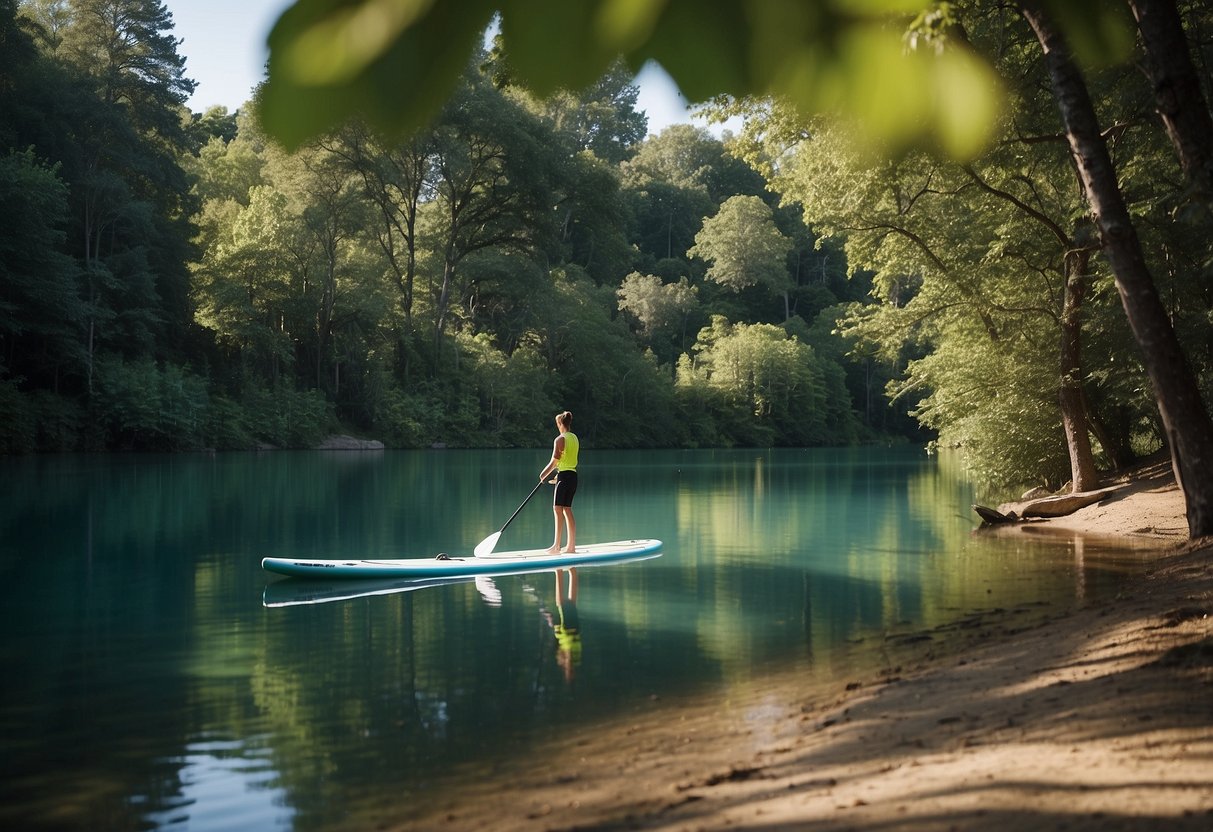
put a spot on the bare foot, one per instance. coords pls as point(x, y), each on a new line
point(570, 551)
point(552, 550)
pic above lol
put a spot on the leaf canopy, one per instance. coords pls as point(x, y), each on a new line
point(394, 62)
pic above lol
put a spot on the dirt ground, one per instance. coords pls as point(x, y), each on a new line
point(1101, 719)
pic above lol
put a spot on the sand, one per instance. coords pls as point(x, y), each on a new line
point(1101, 719)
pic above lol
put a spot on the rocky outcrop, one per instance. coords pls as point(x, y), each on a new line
point(349, 443)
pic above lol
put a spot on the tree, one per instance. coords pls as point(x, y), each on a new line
point(623, 396)
point(395, 178)
point(744, 248)
point(764, 373)
point(513, 400)
point(50, 18)
point(491, 187)
point(592, 216)
point(666, 186)
point(590, 131)
point(682, 155)
point(1189, 430)
point(215, 123)
point(1181, 104)
point(225, 171)
point(129, 191)
point(241, 288)
point(600, 118)
point(967, 262)
point(662, 309)
point(40, 308)
point(666, 218)
point(334, 274)
point(127, 47)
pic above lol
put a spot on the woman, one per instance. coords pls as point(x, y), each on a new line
point(564, 463)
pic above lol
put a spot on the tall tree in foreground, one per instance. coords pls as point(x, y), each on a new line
point(1189, 431)
point(1181, 104)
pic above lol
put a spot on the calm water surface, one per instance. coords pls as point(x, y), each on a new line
point(156, 677)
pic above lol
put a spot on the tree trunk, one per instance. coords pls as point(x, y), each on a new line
point(1177, 93)
point(1189, 431)
point(444, 301)
point(1116, 446)
point(1073, 404)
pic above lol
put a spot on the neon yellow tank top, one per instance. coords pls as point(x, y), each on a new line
point(568, 459)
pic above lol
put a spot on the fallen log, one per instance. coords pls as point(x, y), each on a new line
point(1058, 505)
point(1063, 504)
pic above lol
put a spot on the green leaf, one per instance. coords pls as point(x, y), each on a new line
point(393, 62)
point(397, 89)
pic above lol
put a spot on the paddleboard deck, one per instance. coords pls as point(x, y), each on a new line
point(462, 566)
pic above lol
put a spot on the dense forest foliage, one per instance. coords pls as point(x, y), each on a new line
point(177, 280)
point(174, 280)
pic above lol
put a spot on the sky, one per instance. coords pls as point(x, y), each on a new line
point(225, 52)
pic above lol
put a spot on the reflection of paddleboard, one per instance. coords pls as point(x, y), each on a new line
point(529, 560)
point(296, 592)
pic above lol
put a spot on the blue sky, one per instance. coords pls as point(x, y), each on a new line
point(225, 52)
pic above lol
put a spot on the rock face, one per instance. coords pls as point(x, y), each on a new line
point(349, 443)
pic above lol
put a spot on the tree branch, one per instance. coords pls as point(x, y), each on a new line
point(1057, 231)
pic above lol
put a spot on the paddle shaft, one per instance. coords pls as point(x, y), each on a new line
point(524, 502)
point(487, 545)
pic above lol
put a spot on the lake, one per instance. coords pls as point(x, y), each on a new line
point(156, 677)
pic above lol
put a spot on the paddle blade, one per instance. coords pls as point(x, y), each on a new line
point(486, 546)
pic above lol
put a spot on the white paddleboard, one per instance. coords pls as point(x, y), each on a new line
point(498, 563)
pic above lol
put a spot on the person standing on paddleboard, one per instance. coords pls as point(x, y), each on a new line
point(564, 463)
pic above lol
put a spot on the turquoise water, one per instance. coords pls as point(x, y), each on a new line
point(156, 677)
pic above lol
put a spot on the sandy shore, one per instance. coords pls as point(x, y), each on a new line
point(1101, 719)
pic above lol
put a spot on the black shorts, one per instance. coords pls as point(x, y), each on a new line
point(566, 487)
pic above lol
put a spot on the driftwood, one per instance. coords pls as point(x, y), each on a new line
point(1057, 506)
point(1064, 504)
point(993, 516)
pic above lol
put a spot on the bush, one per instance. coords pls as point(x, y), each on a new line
point(511, 405)
point(58, 421)
point(227, 425)
point(407, 420)
point(138, 406)
point(17, 420)
point(287, 417)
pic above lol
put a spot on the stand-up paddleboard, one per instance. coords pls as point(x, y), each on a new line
point(293, 592)
point(454, 567)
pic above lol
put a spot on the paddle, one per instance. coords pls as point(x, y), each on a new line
point(486, 546)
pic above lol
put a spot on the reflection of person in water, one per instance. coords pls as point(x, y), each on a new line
point(568, 631)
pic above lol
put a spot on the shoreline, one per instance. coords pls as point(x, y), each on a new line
point(1094, 719)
